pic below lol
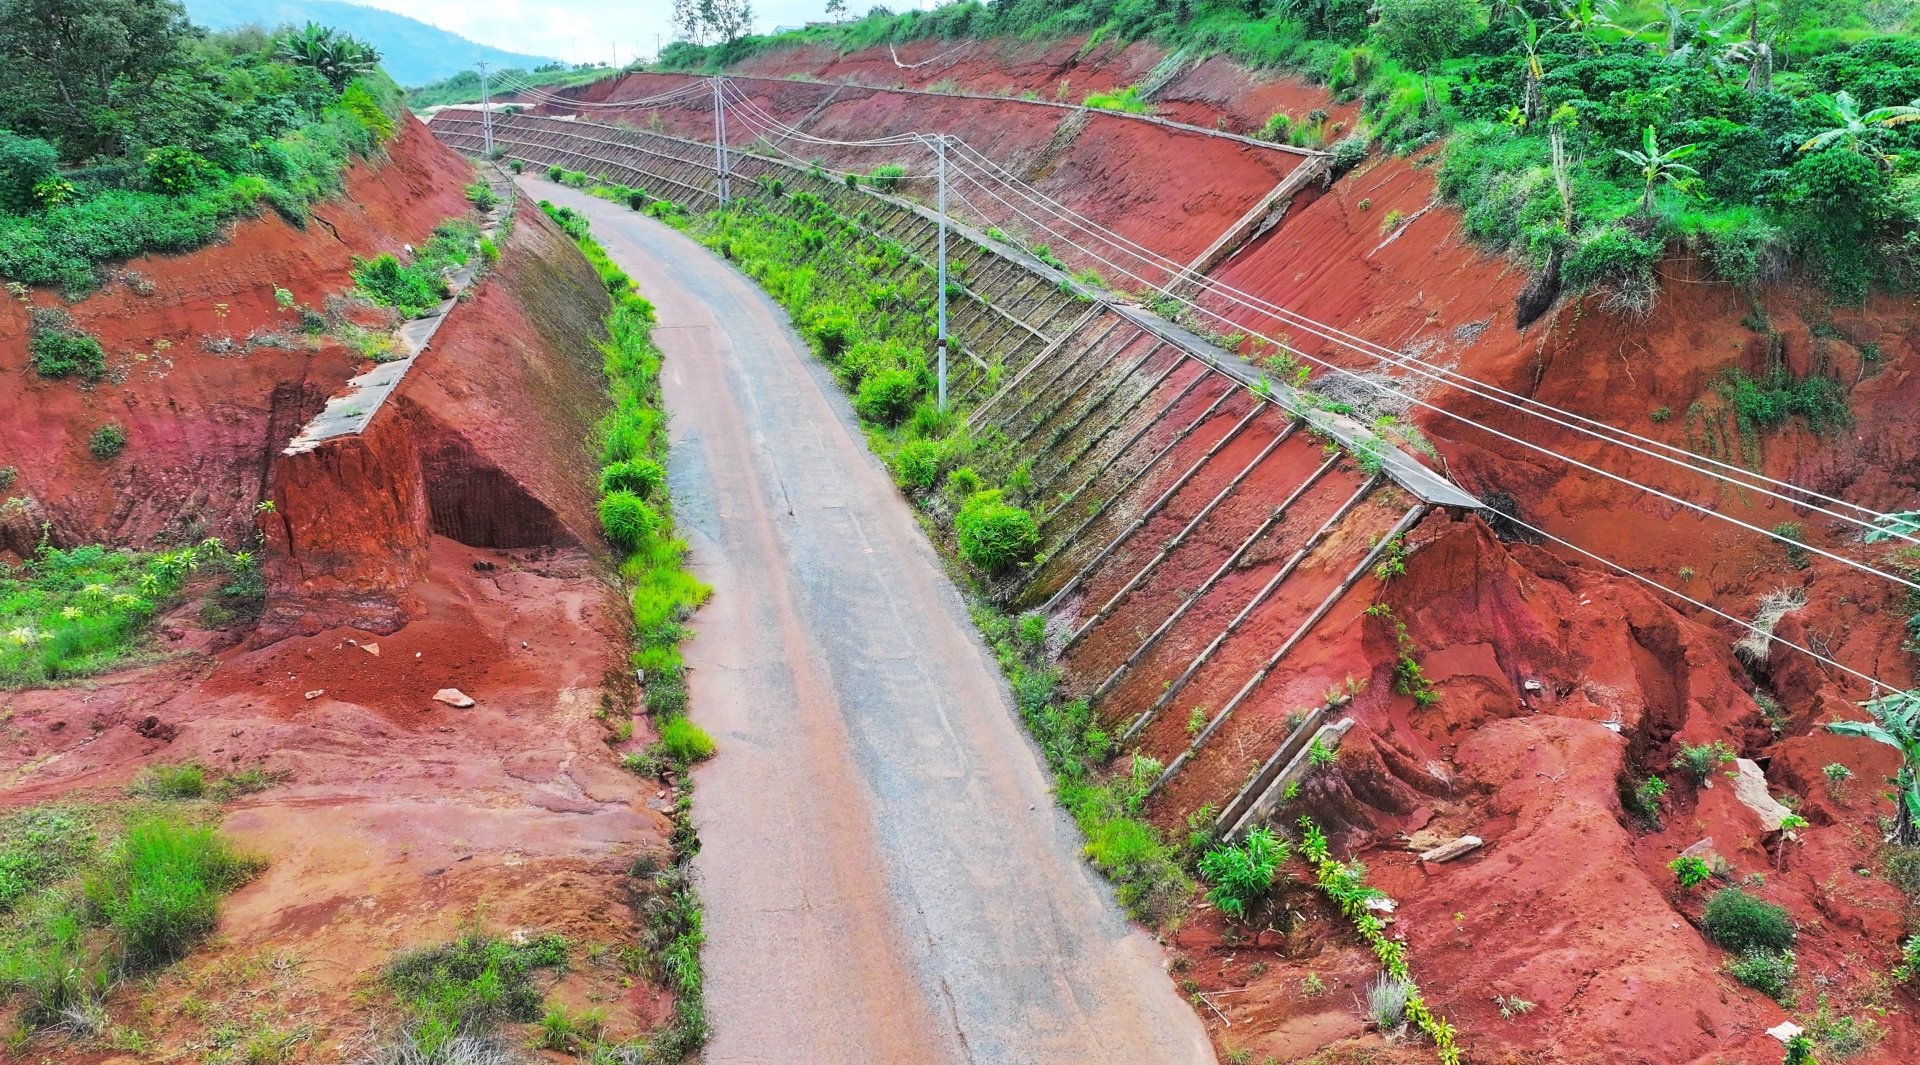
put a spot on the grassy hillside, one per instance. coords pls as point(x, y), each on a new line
point(413, 52)
point(1586, 138)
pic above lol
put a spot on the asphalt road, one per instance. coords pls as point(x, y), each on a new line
point(886, 877)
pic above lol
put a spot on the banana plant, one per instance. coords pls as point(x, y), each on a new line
point(1851, 127)
point(1656, 165)
point(1896, 723)
point(1530, 38)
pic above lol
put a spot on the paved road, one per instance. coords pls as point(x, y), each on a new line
point(886, 878)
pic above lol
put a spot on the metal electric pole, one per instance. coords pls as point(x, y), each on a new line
point(720, 175)
point(940, 155)
point(486, 112)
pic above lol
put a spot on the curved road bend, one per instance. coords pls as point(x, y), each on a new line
point(887, 880)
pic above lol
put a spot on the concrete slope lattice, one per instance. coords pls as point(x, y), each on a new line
point(885, 874)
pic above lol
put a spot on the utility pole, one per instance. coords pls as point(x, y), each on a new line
point(940, 341)
point(486, 112)
point(720, 176)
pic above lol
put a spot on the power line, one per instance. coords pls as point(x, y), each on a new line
point(1445, 375)
point(1388, 389)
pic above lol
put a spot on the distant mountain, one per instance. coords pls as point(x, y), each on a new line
point(413, 52)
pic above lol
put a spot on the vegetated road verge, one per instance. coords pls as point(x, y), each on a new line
point(886, 876)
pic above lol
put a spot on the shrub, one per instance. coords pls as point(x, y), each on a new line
point(1769, 972)
point(1739, 922)
point(995, 536)
point(410, 289)
point(888, 177)
point(642, 477)
point(627, 519)
point(1242, 875)
point(1691, 871)
point(554, 173)
point(25, 162)
point(482, 196)
point(683, 741)
point(176, 170)
point(887, 396)
point(57, 351)
point(107, 442)
point(917, 465)
point(1387, 997)
point(1700, 761)
point(832, 330)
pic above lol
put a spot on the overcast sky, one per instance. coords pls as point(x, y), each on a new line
point(589, 30)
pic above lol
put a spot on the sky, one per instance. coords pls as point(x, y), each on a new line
point(588, 30)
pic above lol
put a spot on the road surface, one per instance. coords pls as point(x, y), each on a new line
point(886, 877)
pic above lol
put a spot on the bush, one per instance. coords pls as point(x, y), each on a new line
point(1739, 922)
point(482, 196)
point(888, 177)
point(995, 536)
point(887, 396)
point(1700, 761)
point(25, 162)
point(627, 519)
point(1690, 871)
point(917, 465)
point(683, 741)
point(61, 352)
point(410, 289)
point(107, 442)
point(1769, 972)
point(1242, 875)
point(832, 330)
point(176, 170)
point(642, 477)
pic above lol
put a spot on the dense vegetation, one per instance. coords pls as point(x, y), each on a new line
point(72, 613)
point(1587, 138)
point(126, 130)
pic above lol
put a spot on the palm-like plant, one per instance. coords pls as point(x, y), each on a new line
point(1656, 165)
point(338, 56)
point(1851, 127)
point(1896, 723)
point(1673, 21)
point(1530, 37)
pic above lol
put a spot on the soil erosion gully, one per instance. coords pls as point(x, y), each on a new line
point(886, 877)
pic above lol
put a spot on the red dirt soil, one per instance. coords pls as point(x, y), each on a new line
point(453, 545)
point(208, 371)
point(1570, 904)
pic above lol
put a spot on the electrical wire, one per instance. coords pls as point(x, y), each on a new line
point(545, 97)
point(1446, 375)
point(1413, 399)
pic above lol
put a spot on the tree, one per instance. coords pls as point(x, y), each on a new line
point(1530, 38)
point(1850, 128)
point(836, 9)
point(1656, 166)
point(1896, 723)
point(701, 20)
point(70, 69)
point(338, 56)
point(1673, 21)
point(1426, 33)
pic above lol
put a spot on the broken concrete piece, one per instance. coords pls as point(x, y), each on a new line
point(453, 697)
point(371, 648)
point(316, 693)
point(1785, 1030)
point(1750, 787)
point(1447, 852)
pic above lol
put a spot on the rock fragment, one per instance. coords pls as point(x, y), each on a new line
point(453, 697)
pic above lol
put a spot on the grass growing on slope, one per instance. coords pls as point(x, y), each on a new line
point(664, 594)
point(91, 896)
point(75, 612)
point(416, 287)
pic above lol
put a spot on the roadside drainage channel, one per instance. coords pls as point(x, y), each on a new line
point(350, 412)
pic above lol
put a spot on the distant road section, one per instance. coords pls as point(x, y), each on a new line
point(887, 880)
